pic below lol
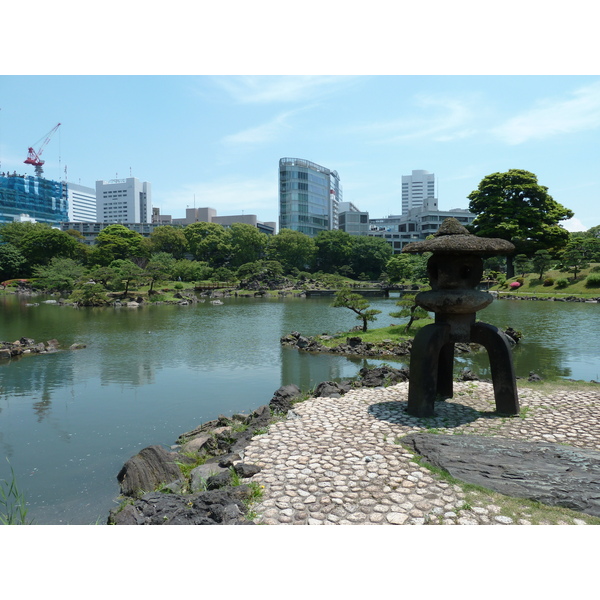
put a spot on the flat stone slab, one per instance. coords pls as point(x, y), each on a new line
point(552, 474)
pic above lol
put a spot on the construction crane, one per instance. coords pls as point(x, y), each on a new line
point(33, 158)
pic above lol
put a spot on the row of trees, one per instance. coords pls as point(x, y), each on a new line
point(194, 252)
point(577, 254)
point(511, 205)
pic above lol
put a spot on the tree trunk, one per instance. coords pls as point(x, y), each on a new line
point(510, 267)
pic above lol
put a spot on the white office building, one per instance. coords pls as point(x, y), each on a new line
point(416, 188)
point(123, 201)
point(81, 202)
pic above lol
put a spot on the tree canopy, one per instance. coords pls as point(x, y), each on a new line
point(333, 250)
point(369, 256)
point(208, 242)
point(117, 242)
point(166, 238)
point(247, 244)
point(515, 207)
point(38, 243)
point(293, 249)
point(11, 262)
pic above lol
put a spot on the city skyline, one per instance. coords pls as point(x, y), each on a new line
point(216, 141)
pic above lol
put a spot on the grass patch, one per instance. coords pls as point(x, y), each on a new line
point(395, 333)
point(256, 494)
point(13, 506)
point(579, 288)
point(557, 385)
point(187, 467)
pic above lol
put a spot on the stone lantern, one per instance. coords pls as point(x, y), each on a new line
point(455, 269)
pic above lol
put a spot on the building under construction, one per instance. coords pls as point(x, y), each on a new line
point(43, 200)
point(33, 198)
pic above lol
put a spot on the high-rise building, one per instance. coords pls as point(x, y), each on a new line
point(123, 201)
point(309, 195)
point(81, 202)
point(33, 198)
point(416, 188)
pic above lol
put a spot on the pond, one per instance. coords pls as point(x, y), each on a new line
point(69, 420)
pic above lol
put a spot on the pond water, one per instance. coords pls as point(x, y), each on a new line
point(69, 420)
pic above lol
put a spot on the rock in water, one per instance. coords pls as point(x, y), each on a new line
point(552, 474)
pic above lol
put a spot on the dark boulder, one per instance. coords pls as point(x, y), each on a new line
point(246, 470)
point(284, 398)
point(222, 479)
point(549, 473)
point(467, 375)
point(382, 376)
point(329, 389)
point(147, 470)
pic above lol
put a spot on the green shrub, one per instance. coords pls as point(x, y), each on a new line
point(561, 284)
point(595, 269)
point(178, 286)
point(592, 281)
point(549, 281)
point(521, 280)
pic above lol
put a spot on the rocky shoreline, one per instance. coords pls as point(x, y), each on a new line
point(355, 346)
point(260, 290)
point(548, 299)
point(228, 471)
point(200, 479)
point(25, 346)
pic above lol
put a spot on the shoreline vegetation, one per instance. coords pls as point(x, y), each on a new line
point(552, 286)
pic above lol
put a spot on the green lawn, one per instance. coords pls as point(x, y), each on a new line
point(533, 285)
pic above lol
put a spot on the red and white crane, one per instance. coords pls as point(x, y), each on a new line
point(33, 158)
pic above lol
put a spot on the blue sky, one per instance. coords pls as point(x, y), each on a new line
point(216, 140)
point(203, 101)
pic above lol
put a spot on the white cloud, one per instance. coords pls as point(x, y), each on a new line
point(574, 224)
point(554, 117)
point(439, 119)
point(261, 134)
point(265, 89)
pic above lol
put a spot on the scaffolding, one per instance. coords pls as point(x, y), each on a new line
point(43, 200)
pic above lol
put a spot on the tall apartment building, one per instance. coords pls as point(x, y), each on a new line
point(309, 196)
point(81, 202)
point(416, 188)
point(123, 201)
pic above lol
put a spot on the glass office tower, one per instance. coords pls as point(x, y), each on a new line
point(309, 196)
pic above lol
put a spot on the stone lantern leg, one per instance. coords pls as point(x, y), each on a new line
point(455, 269)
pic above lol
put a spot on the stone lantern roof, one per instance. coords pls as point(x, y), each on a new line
point(453, 238)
